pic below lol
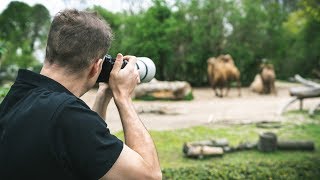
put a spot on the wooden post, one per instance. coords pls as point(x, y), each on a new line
point(267, 142)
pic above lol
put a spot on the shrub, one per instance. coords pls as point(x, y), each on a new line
point(308, 169)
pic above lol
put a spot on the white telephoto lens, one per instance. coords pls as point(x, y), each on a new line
point(147, 69)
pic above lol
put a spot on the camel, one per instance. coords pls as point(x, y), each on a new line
point(257, 85)
point(222, 71)
point(268, 77)
point(264, 82)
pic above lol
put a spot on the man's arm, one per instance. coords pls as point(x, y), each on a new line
point(103, 97)
point(138, 159)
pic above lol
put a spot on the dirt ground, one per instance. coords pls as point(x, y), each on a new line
point(206, 109)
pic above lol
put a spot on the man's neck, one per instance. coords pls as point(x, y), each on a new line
point(74, 83)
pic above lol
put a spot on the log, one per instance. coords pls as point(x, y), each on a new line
point(296, 145)
point(172, 90)
point(306, 82)
point(246, 146)
point(305, 92)
point(212, 142)
point(195, 151)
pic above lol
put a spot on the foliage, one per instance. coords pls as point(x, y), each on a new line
point(245, 164)
point(181, 35)
point(312, 7)
point(302, 36)
point(24, 28)
point(2, 48)
point(308, 169)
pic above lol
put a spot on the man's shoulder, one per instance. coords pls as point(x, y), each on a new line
point(70, 101)
point(74, 110)
point(44, 97)
point(56, 98)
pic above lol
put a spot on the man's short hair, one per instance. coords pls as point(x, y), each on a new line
point(76, 38)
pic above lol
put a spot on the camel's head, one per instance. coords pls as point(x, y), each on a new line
point(228, 58)
point(267, 66)
point(212, 60)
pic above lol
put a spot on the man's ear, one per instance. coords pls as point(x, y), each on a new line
point(95, 68)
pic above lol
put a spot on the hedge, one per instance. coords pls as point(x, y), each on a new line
point(308, 169)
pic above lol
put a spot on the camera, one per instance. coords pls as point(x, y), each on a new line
point(145, 66)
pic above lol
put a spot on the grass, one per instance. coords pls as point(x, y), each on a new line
point(250, 164)
point(169, 143)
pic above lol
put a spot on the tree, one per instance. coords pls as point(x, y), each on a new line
point(302, 29)
point(180, 37)
point(312, 8)
point(22, 28)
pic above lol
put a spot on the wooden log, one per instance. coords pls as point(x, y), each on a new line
point(287, 105)
point(201, 143)
point(194, 151)
point(246, 146)
point(213, 142)
point(296, 145)
point(174, 90)
point(306, 82)
point(305, 92)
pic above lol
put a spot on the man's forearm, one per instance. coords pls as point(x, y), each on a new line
point(101, 103)
point(136, 135)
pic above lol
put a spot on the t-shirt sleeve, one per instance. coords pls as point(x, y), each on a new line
point(85, 142)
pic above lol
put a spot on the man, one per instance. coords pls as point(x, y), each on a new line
point(47, 132)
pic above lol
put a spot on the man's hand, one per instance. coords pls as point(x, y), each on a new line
point(138, 159)
point(123, 81)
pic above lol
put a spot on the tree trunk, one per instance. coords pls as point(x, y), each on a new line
point(305, 92)
point(172, 90)
point(306, 82)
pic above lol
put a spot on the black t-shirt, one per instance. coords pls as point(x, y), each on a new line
point(48, 133)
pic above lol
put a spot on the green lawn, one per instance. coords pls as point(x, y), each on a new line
point(245, 164)
point(169, 145)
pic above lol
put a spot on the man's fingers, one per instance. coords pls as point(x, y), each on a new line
point(138, 80)
point(118, 63)
point(131, 60)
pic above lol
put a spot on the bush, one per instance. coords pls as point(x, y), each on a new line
point(308, 169)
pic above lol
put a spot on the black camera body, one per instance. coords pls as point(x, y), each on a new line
point(145, 66)
point(107, 66)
